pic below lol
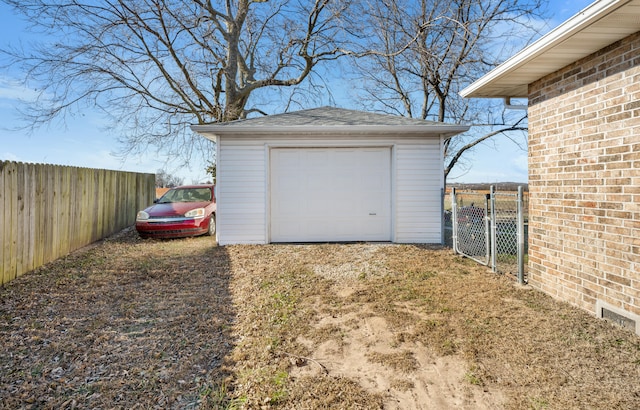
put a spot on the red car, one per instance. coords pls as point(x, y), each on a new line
point(188, 210)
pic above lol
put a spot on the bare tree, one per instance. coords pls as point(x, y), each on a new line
point(211, 170)
point(156, 66)
point(166, 180)
point(456, 41)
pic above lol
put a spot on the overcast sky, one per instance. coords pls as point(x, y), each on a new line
point(81, 141)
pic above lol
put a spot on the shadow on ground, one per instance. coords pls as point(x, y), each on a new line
point(128, 323)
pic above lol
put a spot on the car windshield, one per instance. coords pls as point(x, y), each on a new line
point(186, 195)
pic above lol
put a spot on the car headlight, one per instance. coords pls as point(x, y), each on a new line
point(195, 213)
point(142, 216)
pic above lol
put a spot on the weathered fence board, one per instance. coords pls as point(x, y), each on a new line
point(47, 211)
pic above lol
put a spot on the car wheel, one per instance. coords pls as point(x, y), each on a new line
point(212, 226)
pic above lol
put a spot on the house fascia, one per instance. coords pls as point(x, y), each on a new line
point(511, 78)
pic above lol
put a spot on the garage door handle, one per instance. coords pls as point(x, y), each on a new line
point(372, 213)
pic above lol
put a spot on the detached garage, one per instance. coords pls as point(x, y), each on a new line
point(329, 175)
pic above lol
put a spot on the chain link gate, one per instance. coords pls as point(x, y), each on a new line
point(507, 232)
point(489, 228)
point(471, 226)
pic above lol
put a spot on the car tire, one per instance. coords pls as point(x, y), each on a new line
point(212, 226)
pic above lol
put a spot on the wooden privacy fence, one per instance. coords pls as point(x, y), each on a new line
point(47, 211)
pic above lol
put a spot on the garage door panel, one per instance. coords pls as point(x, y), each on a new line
point(316, 157)
point(291, 208)
point(316, 180)
point(318, 208)
point(373, 183)
point(374, 205)
point(330, 194)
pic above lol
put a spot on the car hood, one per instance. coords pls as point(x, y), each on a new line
point(174, 208)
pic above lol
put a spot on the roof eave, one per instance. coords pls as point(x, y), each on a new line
point(213, 131)
point(586, 17)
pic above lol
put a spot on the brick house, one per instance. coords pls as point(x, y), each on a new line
point(582, 82)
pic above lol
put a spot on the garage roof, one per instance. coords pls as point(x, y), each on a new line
point(602, 23)
point(328, 120)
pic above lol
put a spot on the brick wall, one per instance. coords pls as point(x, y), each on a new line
point(584, 180)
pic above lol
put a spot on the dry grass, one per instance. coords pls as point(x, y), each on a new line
point(185, 324)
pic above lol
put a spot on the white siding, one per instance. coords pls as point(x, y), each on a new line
point(243, 191)
point(419, 176)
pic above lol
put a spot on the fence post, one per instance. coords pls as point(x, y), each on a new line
point(443, 192)
point(487, 228)
point(494, 241)
point(520, 237)
point(454, 220)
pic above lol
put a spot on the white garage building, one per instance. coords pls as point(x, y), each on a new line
point(329, 175)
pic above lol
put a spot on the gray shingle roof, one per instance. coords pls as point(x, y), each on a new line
point(328, 116)
point(323, 120)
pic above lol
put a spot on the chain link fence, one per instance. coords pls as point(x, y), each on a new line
point(470, 228)
point(490, 228)
point(509, 232)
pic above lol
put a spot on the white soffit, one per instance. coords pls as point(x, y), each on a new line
point(602, 23)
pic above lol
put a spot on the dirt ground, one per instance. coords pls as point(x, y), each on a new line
point(131, 323)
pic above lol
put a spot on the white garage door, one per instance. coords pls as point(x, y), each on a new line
point(330, 194)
